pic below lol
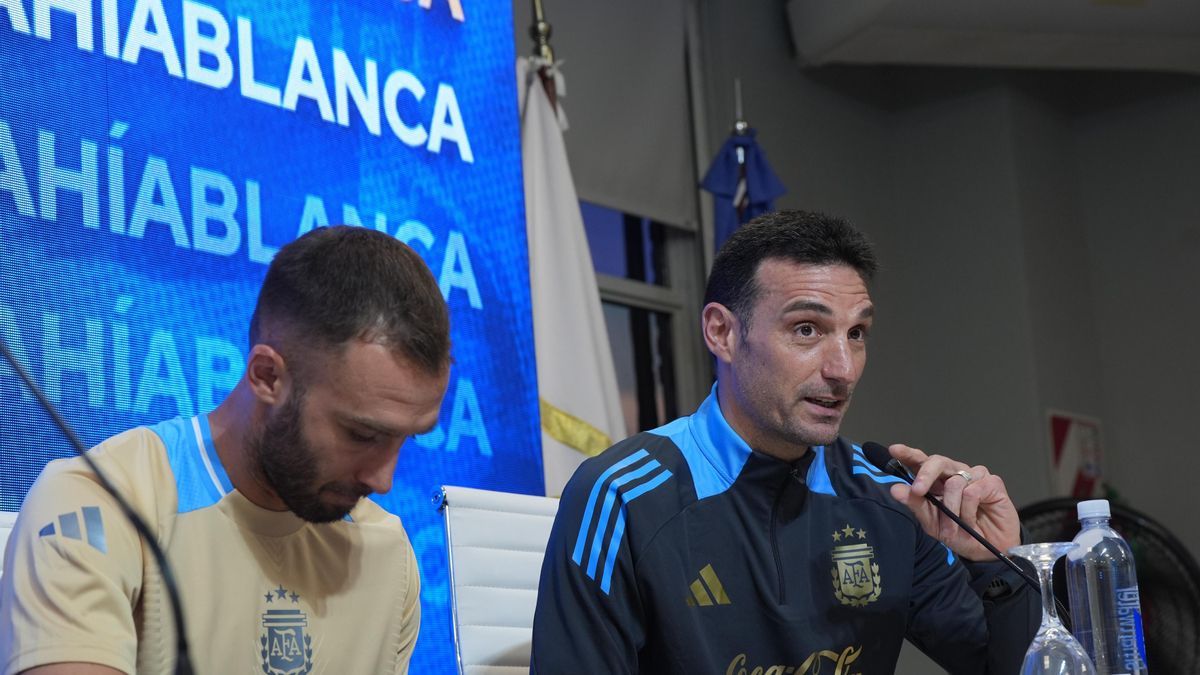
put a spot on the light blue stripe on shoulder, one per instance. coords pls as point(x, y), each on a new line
point(863, 467)
point(818, 475)
point(581, 539)
point(614, 546)
point(714, 452)
point(882, 479)
point(193, 483)
point(610, 499)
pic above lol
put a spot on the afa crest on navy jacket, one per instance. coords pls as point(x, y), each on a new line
point(681, 550)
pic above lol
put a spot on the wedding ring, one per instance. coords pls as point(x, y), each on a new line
point(966, 475)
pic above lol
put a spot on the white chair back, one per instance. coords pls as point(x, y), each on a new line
point(7, 521)
point(496, 542)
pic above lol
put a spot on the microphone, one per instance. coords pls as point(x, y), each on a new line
point(882, 459)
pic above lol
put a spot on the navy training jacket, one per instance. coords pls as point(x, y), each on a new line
point(680, 550)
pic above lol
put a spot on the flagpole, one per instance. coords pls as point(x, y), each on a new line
point(741, 127)
point(540, 33)
point(579, 400)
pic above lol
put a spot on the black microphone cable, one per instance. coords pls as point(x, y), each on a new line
point(183, 662)
point(878, 455)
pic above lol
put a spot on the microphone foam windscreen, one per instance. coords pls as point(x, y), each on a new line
point(877, 455)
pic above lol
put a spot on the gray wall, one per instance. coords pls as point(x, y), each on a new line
point(952, 355)
point(1137, 173)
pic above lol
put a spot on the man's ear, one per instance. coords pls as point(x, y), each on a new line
point(722, 331)
point(267, 374)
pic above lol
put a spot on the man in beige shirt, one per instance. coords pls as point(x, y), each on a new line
point(282, 567)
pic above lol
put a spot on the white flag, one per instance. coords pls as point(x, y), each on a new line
point(577, 384)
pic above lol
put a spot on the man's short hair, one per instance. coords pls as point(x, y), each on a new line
point(796, 236)
point(336, 284)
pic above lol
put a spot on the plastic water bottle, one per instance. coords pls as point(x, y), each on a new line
point(1106, 614)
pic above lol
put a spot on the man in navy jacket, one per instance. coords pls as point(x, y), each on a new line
point(749, 537)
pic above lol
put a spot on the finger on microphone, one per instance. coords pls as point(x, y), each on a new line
point(929, 474)
point(953, 495)
point(908, 455)
point(970, 503)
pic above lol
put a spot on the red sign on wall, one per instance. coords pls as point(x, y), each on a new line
point(1076, 456)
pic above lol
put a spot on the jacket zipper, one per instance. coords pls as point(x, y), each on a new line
point(793, 474)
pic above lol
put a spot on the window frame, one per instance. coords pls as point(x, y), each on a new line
point(679, 299)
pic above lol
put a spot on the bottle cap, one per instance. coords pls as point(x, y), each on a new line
point(1093, 508)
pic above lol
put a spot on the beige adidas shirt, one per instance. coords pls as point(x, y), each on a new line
point(263, 592)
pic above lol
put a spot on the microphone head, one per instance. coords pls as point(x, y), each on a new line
point(877, 455)
point(883, 460)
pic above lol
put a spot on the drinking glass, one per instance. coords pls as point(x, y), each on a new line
point(1054, 651)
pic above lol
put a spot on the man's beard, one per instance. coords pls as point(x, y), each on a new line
point(287, 463)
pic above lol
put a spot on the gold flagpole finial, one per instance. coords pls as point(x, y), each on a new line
point(540, 32)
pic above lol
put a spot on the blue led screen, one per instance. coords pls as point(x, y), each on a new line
point(155, 153)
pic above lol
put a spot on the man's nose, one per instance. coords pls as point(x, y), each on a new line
point(838, 361)
point(378, 476)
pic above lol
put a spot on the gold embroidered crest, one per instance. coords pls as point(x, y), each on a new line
point(855, 573)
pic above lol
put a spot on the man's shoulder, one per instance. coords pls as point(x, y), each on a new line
point(647, 443)
point(130, 451)
point(68, 498)
point(639, 484)
point(643, 457)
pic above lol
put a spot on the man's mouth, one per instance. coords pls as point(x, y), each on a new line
point(831, 403)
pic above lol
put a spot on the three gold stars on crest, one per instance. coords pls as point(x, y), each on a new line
point(847, 532)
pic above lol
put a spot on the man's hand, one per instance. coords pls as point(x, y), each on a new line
point(979, 498)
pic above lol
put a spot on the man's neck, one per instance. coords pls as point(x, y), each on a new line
point(758, 442)
point(790, 454)
point(231, 425)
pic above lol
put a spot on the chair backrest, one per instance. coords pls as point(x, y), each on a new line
point(7, 520)
point(496, 542)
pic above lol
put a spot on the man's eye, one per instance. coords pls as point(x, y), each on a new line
point(858, 334)
point(806, 330)
point(361, 438)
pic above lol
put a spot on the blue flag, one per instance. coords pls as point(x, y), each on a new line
point(740, 191)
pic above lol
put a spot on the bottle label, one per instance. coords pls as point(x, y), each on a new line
point(1129, 630)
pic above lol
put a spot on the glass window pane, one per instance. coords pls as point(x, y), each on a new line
point(640, 342)
point(624, 245)
point(606, 238)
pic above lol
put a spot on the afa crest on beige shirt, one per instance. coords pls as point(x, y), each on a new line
point(263, 591)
